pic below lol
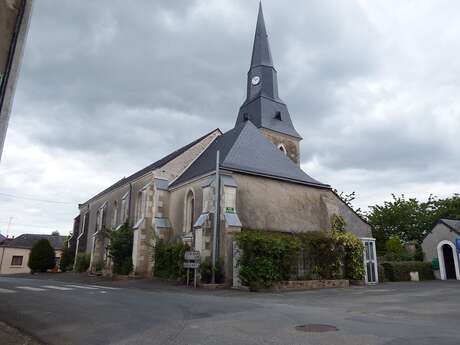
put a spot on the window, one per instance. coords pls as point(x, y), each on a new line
point(124, 208)
point(16, 260)
point(100, 217)
point(140, 204)
point(282, 148)
point(229, 199)
point(189, 211)
point(115, 214)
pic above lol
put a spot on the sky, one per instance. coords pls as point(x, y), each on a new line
point(108, 87)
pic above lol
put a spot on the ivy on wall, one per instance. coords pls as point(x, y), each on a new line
point(268, 257)
point(121, 250)
point(169, 259)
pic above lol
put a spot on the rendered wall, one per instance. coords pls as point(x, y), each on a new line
point(269, 204)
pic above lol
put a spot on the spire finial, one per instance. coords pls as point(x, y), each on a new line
point(261, 54)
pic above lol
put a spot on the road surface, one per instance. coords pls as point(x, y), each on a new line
point(142, 312)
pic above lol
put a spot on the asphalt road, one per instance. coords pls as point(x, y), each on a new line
point(75, 311)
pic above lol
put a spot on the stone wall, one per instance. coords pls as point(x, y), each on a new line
point(312, 284)
point(290, 143)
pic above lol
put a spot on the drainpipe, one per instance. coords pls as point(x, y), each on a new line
point(216, 220)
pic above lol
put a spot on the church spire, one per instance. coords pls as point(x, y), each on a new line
point(261, 55)
point(263, 107)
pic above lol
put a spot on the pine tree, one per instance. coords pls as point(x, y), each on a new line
point(41, 256)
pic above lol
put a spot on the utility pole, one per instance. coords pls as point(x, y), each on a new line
point(216, 219)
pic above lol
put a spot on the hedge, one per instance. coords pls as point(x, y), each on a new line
point(169, 260)
point(269, 257)
point(400, 270)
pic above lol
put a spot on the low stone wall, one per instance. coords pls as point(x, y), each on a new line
point(312, 284)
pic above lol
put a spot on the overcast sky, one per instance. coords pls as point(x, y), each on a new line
point(108, 87)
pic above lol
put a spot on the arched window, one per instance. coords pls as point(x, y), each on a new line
point(139, 205)
point(115, 214)
point(282, 148)
point(189, 211)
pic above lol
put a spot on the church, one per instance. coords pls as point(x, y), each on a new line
point(251, 172)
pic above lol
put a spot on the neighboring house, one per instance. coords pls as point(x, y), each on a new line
point(14, 253)
point(2, 238)
point(442, 246)
point(261, 186)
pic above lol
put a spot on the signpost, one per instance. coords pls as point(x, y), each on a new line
point(192, 261)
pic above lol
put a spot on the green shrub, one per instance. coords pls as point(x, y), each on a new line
point(419, 255)
point(42, 257)
point(353, 265)
point(82, 262)
point(266, 258)
point(67, 258)
point(321, 254)
point(121, 250)
point(206, 271)
point(169, 260)
point(382, 277)
point(400, 270)
point(395, 250)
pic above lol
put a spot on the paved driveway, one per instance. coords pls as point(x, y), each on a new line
point(76, 311)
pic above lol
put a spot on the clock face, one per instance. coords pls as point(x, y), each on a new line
point(255, 80)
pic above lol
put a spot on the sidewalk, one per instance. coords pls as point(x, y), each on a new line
point(12, 336)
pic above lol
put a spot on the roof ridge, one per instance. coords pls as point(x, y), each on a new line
point(157, 164)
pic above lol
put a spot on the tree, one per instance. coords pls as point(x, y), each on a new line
point(42, 256)
point(410, 219)
point(67, 257)
point(121, 250)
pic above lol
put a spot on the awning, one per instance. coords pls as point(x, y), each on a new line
point(201, 220)
point(232, 219)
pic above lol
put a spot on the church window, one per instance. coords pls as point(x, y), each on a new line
point(278, 115)
point(124, 208)
point(229, 199)
point(189, 211)
point(282, 148)
point(115, 214)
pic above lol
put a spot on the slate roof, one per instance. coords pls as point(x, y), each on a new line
point(2, 238)
point(28, 241)
point(452, 224)
point(263, 105)
point(261, 55)
point(244, 149)
point(151, 167)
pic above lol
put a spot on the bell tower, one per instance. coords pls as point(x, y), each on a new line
point(262, 106)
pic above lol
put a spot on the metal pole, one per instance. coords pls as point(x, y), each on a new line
point(216, 219)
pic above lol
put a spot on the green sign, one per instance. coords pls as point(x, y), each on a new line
point(229, 210)
point(435, 264)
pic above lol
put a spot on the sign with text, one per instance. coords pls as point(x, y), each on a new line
point(192, 264)
point(192, 255)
